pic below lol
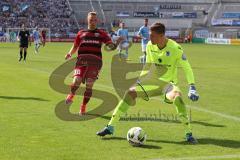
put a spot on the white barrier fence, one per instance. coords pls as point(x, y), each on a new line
point(217, 41)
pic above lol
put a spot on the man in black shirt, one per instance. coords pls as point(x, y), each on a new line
point(24, 38)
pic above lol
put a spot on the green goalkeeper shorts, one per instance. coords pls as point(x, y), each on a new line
point(147, 89)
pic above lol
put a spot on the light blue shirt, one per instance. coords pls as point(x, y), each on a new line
point(123, 33)
point(36, 35)
point(144, 32)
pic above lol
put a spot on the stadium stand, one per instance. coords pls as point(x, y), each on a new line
point(225, 22)
point(229, 11)
point(65, 17)
point(132, 11)
point(53, 14)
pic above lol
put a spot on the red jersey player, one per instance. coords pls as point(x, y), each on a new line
point(43, 35)
point(88, 43)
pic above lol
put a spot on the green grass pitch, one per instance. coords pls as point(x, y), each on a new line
point(30, 129)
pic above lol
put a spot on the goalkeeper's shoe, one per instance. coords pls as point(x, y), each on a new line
point(106, 131)
point(82, 109)
point(190, 139)
point(69, 98)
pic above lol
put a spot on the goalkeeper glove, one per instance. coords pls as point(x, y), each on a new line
point(192, 93)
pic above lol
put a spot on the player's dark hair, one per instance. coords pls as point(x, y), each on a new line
point(146, 19)
point(158, 28)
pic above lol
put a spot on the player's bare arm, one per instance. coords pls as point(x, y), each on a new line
point(113, 46)
point(71, 52)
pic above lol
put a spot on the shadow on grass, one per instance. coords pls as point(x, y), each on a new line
point(220, 142)
point(201, 141)
point(125, 139)
point(100, 116)
point(23, 98)
point(205, 141)
point(114, 138)
point(141, 119)
point(160, 120)
point(150, 146)
point(207, 124)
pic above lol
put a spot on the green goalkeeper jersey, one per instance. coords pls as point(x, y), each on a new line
point(172, 57)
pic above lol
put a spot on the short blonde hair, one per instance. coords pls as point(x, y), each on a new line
point(92, 13)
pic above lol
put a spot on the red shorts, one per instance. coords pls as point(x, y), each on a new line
point(86, 72)
point(87, 68)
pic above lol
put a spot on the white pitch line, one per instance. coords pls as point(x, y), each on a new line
point(230, 117)
point(215, 113)
point(203, 157)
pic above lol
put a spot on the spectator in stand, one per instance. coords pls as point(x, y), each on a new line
point(42, 13)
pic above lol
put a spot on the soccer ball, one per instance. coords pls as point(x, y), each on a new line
point(136, 136)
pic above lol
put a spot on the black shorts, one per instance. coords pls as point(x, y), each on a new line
point(24, 45)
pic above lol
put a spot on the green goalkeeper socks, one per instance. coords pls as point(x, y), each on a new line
point(182, 113)
point(121, 108)
point(124, 105)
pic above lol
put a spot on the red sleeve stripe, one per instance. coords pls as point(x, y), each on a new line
point(109, 42)
point(80, 50)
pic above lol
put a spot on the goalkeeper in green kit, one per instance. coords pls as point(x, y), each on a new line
point(159, 77)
